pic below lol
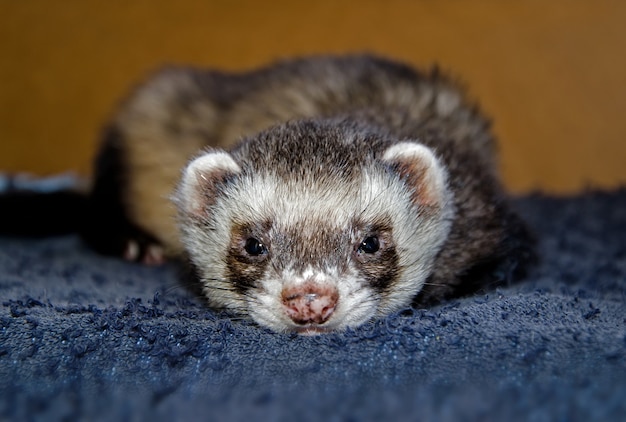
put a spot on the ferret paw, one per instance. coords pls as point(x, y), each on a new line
point(147, 254)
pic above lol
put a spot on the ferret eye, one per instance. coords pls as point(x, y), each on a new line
point(254, 247)
point(369, 245)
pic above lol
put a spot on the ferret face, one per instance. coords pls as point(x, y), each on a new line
point(319, 249)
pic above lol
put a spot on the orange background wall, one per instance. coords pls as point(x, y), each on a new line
point(552, 74)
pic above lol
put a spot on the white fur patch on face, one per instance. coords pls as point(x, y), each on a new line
point(284, 203)
point(356, 303)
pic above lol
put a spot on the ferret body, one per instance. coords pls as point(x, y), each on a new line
point(312, 195)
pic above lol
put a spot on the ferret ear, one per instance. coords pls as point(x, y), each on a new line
point(421, 170)
point(200, 181)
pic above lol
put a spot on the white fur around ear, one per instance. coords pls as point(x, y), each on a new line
point(200, 178)
point(421, 170)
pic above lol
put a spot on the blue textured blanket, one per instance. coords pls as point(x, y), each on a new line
point(84, 337)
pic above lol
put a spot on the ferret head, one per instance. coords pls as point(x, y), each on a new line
point(313, 228)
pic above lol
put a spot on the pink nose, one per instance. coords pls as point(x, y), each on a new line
point(310, 303)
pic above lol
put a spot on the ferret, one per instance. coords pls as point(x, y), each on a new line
point(312, 195)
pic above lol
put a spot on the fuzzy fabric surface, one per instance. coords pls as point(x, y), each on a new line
point(85, 337)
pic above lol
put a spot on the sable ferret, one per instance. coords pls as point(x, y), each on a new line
point(315, 194)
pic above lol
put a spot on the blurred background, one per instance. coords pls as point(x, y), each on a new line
point(551, 74)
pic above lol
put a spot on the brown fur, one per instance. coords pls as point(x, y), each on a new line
point(179, 111)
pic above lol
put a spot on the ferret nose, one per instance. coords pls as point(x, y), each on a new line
point(310, 303)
